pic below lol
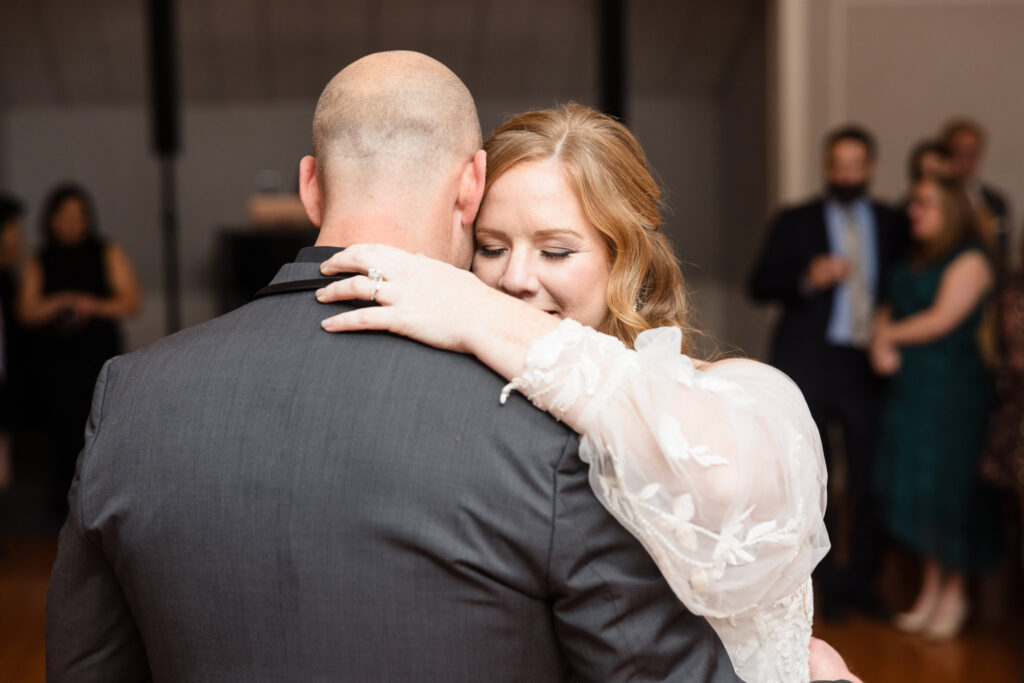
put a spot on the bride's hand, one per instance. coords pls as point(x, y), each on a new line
point(435, 303)
point(422, 298)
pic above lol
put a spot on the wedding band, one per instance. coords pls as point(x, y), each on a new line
point(376, 278)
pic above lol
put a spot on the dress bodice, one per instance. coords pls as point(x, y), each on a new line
point(912, 289)
point(80, 267)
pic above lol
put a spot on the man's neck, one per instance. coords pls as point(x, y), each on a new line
point(363, 230)
point(419, 238)
point(850, 204)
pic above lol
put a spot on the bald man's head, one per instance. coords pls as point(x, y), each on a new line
point(399, 118)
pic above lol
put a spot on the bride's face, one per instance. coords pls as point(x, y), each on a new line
point(535, 243)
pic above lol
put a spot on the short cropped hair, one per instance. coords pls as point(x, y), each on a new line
point(396, 114)
point(852, 133)
point(962, 125)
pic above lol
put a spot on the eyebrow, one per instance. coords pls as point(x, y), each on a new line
point(549, 232)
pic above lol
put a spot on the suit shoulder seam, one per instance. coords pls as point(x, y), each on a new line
point(566, 449)
point(86, 453)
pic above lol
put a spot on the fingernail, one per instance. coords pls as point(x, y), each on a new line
point(320, 292)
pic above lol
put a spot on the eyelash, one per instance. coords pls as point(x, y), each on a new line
point(552, 255)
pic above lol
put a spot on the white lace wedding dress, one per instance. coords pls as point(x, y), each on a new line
point(718, 471)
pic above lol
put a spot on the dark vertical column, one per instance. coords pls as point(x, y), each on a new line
point(612, 57)
point(169, 234)
point(164, 107)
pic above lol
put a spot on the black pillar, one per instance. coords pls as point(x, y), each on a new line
point(169, 233)
point(612, 57)
point(164, 108)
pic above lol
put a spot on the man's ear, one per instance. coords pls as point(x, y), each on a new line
point(471, 188)
point(309, 190)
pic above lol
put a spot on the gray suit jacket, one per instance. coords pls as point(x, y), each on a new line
point(259, 500)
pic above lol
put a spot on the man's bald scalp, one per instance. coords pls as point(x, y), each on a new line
point(400, 117)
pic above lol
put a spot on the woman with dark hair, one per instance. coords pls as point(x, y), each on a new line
point(937, 405)
point(929, 159)
point(577, 299)
point(73, 293)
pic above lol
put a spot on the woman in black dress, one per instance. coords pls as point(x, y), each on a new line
point(73, 293)
point(10, 337)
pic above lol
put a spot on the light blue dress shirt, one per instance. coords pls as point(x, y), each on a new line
point(840, 324)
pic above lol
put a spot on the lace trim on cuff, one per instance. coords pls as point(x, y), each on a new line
point(563, 365)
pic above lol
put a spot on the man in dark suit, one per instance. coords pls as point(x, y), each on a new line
point(825, 262)
point(259, 500)
point(966, 141)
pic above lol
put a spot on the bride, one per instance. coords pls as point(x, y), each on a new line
point(577, 299)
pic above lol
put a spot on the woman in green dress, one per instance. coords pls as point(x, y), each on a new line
point(937, 405)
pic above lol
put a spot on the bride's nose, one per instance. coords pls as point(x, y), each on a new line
point(520, 276)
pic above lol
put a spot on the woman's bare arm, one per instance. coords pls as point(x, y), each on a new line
point(964, 282)
point(35, 307)
point(125, 299)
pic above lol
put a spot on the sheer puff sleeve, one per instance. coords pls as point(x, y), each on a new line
point(718, 471)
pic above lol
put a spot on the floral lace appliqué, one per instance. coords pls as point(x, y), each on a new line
point(733, 520)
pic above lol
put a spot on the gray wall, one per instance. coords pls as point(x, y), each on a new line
point(744, 192)
point(903, 67)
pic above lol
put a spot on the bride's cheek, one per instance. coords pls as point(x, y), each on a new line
point(489, 271)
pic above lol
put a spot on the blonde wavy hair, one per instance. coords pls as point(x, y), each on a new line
point(610, 174)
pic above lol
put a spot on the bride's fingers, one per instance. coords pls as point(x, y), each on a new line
point(337, 263)
point(355, 287)
point(360, 258)
point(370, 318)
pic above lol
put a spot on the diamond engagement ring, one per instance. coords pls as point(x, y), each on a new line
point(376, 278)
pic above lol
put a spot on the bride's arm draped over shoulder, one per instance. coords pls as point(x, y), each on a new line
point(718, 470)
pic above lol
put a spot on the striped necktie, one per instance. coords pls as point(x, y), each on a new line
point(861, 305)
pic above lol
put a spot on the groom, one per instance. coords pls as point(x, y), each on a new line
point(259, 500)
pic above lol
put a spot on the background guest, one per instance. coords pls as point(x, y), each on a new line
point(934, 159)
point(11, 211)
point(73, 293)
point(966, 140)
point(1003, 462)
point(930, 159)
point(823, 261)
point(937, 405)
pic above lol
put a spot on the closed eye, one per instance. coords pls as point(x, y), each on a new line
point(557, 255)
point(491, 251)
